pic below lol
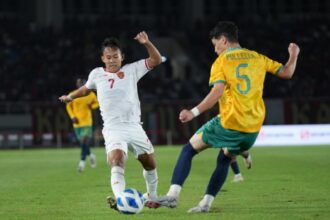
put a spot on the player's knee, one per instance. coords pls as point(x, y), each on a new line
point(227, 153)
point(116, 162)
point(224, 155)
point(85, 140)
point(148, 161)
point(116, 158)
point(149, 167)
point(189, 149)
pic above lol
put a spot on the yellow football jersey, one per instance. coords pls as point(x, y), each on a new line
point(81, 108)
point(243, 71)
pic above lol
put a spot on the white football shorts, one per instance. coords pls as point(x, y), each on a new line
point(127, 136)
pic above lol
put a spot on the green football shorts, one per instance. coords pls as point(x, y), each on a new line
point(214, 135)
point(85, 131)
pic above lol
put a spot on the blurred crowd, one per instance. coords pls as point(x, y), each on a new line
point(39, 64)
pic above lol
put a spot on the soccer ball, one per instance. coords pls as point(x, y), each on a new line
point(130, 201)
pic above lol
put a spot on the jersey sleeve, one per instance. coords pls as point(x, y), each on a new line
point(90, 84)
point(272, 66)
point(141, 68)
point(69, 109)
point(217, 73)
point(94, 103)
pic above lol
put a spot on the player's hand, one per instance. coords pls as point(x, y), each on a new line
point(293, 49)
point(185, 116)
point(65, 98)
point(142, 37)
point(74, 120)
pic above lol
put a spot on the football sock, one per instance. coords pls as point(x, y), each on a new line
point(151, 179)
point(82, 164)
point(219, 174)
point(234, 167)
point(88, 151)
point(117, 180)
point(84, 151)
point(174, 190)
point(85, 147)
point(183, 165)
point(92, 155)
point(206, 201)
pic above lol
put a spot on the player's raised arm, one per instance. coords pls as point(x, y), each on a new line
point(82, 91)
point(289, 68)
point(154, 55)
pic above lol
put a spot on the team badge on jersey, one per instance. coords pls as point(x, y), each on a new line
point(121, 75)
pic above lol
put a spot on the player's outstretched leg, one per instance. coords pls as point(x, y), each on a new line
point(180, 174)
point(217, 180)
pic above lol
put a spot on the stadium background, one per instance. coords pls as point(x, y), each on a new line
point(46, 44)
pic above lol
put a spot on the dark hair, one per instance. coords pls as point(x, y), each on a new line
point(227, 29)
point(80, 82)
point(82, 79)
point(112, 43)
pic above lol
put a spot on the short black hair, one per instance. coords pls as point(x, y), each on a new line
point(80, 82)
point(112, 43)
point(227, 29)
point(82, 79)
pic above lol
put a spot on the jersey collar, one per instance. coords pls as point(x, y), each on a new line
point(232, 49)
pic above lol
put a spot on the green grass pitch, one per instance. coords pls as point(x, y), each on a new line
point(284, 183)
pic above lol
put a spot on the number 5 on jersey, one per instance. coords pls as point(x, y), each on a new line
point(243, 77)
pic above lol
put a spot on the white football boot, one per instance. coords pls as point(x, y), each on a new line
point(164, 201)
point(238, 178)
point(81, 166)
point(198, 209)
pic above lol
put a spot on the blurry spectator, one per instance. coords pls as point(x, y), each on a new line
point(36, 64)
